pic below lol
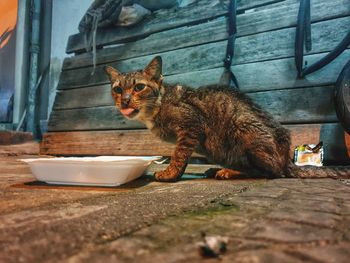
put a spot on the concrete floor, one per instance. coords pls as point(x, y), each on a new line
point(284, 220)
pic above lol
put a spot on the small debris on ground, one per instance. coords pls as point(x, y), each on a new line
point(212, 246)
point(345, 181)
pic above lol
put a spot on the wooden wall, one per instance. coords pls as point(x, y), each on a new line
point(192, 42)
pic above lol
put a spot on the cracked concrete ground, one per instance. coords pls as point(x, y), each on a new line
point(284, 220)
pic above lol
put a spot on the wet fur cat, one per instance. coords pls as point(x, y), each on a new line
point(215, 121)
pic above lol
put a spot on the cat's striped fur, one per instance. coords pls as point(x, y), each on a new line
point(218, 122)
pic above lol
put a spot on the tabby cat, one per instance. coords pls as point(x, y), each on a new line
point(215, 121)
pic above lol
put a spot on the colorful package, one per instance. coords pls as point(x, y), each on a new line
point(309, 154)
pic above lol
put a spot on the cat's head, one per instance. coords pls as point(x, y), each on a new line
point(137, 94)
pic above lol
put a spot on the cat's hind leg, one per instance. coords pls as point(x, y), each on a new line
point(266, 158)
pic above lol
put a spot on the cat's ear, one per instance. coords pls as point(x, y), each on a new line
point(154, 69)
point(112, 73)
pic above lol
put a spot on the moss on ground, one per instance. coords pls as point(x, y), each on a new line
point(188, 227)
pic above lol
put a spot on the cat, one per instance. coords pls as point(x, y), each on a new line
point(216, 121)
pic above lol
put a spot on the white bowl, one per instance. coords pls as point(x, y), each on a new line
point(96, 171)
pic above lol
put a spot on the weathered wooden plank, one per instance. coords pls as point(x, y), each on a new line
point(164, 41)
point(212, 31)
point(104, 143)
point(163, 20)
point(142, 142)
point(15, 137)
point(84, 97)
point(303, 105)
point(252, 77)
point(260, 47)
point(90, 119)
point(275, 5)
point(267, 75)
point(27, 148)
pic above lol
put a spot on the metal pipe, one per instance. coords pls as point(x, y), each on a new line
point(22, 64)
point(32, 118)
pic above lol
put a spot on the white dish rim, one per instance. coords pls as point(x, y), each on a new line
point(95, 160)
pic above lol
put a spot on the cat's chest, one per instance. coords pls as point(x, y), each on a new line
point(163, 132)
point(149, 124)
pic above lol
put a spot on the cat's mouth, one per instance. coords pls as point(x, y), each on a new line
point(129, 112)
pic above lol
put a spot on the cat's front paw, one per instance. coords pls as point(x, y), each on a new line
point(166, 176)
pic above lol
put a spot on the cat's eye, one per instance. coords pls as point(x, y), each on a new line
point(139, 87)
point(118, 90)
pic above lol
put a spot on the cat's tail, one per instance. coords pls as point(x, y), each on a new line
point(335, 172)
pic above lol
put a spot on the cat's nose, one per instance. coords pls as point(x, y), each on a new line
point(125, 104)
point(126, 100)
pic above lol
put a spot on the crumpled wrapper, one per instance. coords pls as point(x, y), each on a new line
point(309, 154)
